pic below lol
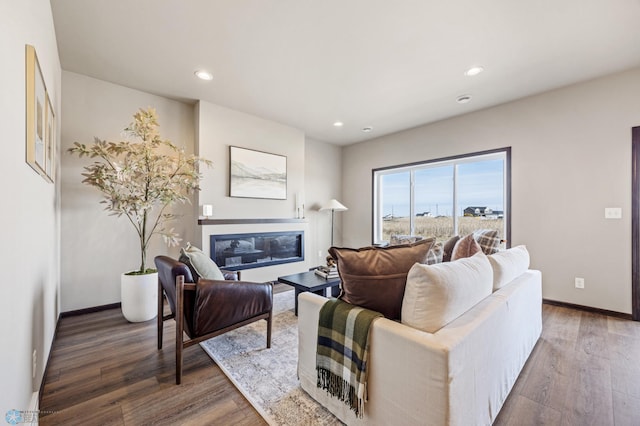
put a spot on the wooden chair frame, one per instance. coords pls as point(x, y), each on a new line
point(181, 343)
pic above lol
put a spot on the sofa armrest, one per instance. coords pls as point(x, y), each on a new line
point(411, 362)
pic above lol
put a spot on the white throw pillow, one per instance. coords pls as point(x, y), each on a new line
point(200, 263)
point(435, 295)
point(508, 265)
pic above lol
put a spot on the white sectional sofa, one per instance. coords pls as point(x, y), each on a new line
point(459, 375)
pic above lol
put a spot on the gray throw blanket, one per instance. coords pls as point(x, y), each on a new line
point(343, 348)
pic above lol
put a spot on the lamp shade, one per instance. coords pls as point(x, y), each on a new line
point(334, 205)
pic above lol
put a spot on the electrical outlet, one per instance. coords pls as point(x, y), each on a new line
point(319, 254)
point(613, 213)
point(34, 363)
point(579, 282)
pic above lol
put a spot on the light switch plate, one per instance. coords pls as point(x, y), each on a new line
point(613, 213)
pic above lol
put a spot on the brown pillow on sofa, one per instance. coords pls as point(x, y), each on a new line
point(465, 247)
point(375, 277)
point(448, 248)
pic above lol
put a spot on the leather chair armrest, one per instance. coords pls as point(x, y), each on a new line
point(220, 304)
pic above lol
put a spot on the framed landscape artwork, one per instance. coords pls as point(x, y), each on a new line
point(40, 119)
point(49, 141)
point(257, 174)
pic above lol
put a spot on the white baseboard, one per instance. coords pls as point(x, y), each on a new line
point(34, 404)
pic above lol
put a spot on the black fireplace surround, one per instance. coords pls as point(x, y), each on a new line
point(255, 250)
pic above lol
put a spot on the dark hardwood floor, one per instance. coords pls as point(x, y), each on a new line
point(585, 370)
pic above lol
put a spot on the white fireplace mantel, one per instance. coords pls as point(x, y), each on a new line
point(205, 221)
point(238, 226)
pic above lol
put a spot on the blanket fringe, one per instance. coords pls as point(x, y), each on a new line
point(338, 387)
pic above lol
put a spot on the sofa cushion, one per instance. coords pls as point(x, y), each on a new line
point(435, 295)
point(465, 247)
point(488, 240)
point(434, 255)
point(374, 277)
point(508, 264)
point(448, 248)
point(200, 264)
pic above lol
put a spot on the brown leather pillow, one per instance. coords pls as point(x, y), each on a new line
point(375, 277)
point(465, 247)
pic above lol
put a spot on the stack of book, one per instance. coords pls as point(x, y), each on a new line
point(327, 272)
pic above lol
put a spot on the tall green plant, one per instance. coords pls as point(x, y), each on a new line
point(142, 179)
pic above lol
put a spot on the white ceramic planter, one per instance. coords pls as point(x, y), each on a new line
point(139, 294)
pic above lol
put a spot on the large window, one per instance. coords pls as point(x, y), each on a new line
point(444, 197)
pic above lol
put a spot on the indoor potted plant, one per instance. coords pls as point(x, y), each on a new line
point(141, 179)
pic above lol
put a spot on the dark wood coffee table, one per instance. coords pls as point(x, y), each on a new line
point(308, 281)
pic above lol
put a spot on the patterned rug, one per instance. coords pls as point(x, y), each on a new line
point(268, 377)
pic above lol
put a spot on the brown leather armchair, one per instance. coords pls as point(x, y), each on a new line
point(207, 308)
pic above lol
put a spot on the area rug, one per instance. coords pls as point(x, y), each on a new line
point(268, 377)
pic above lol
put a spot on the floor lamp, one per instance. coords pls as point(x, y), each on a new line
point(335, 206)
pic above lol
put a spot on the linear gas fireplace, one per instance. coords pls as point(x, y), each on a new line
point(255, 250)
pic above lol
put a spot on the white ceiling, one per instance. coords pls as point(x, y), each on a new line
point(387, 64)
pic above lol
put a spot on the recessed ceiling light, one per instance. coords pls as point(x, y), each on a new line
point(338, 124)
point(473, 71)
point(204, 75)
point(367, 129)
point(463, 99)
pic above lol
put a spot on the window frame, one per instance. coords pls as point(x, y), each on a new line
point(376, 189)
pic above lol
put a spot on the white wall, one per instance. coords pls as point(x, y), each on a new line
point(571, 158)
point(96, 247)
point(217, 129)
point(30, 212)
point(323, 181)
point(221, 127)
point(313, 171)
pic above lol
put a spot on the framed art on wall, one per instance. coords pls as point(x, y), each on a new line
point(257, 174)
point(36, 115)
point(49, 140)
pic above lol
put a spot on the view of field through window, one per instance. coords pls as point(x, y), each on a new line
point(440, 227)
point(429, 200)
